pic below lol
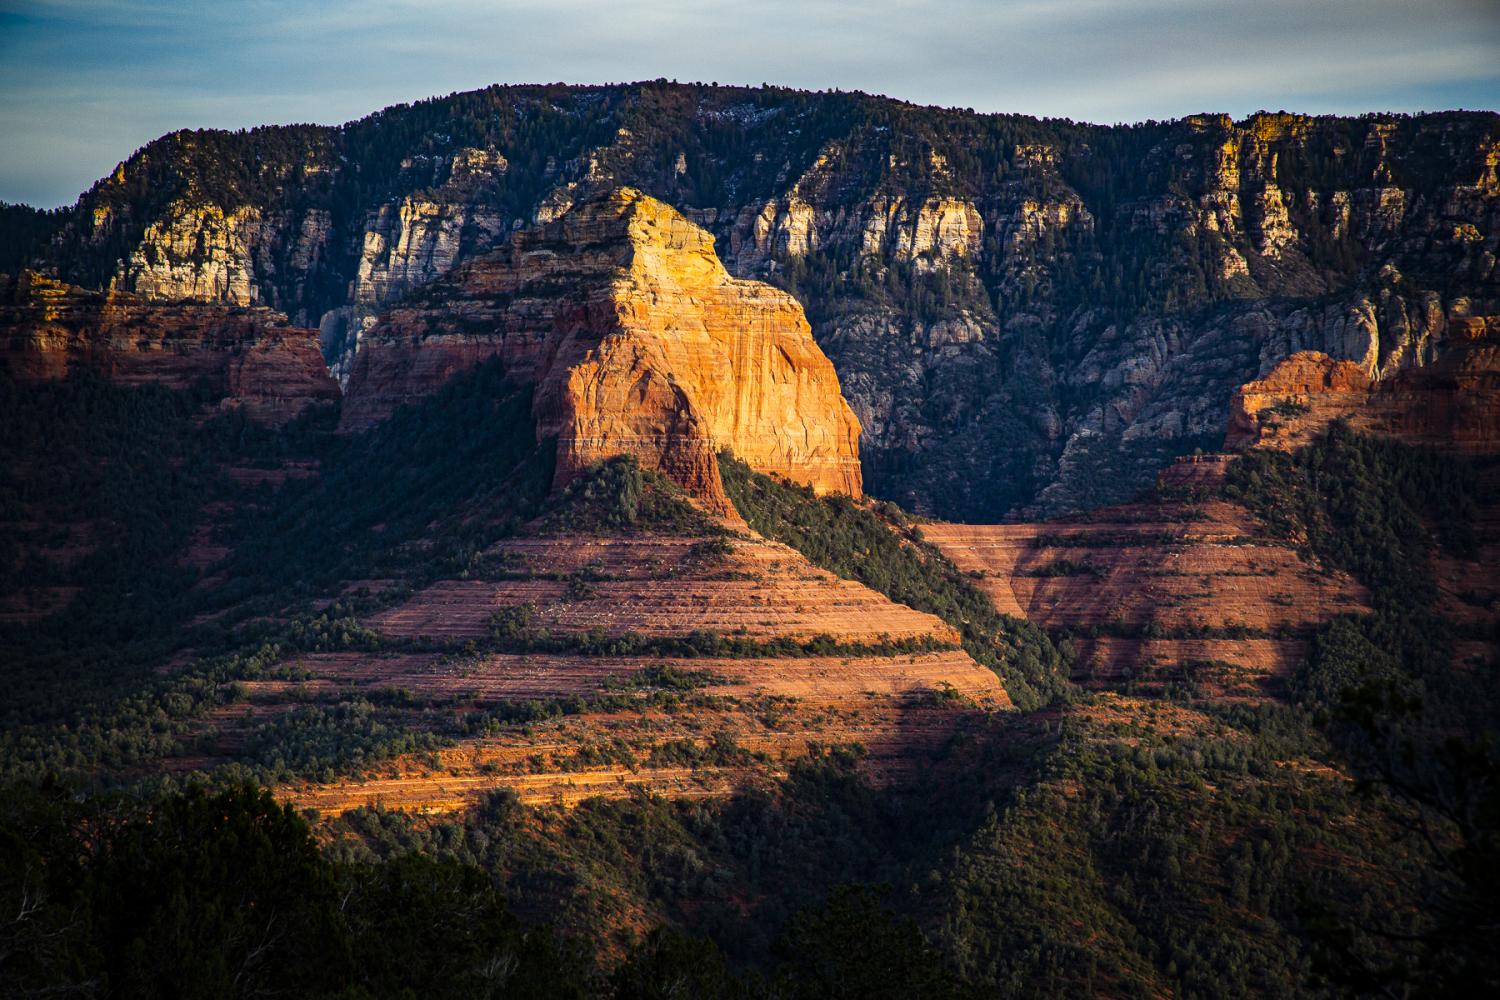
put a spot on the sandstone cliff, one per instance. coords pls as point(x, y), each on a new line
point(1028, 317)
point(248, 356)
point(1452, 404)
point(638, 342)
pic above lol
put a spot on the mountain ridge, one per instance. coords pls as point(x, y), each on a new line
point(1086, 294)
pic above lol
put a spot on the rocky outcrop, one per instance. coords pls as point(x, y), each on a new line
point(200, 253)
point(403, 247)
point(927, 234)
point(1306, 390)
point(1158, 384)
point(1029, 317)
point(1452, 404)
point(250, 357)
point(1179, 588)
point(637, 341)
point(196, 253)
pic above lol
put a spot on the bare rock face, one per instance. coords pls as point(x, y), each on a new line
point(404, 246)
point(928, 233)
point(199, 252)
point(1028, 317)
point(259, 363)
point(1306, 389)
point(1452, 404)
point(638, 341)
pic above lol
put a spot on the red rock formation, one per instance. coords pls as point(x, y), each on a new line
point(902, 708)
point(1183, 584)
point(1308, 386)
point(272, 370)
point(1187, 585)
point(638, 341)
point(1452, 404)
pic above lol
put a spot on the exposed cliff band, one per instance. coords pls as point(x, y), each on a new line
point(1028, 317)
point(638, 341)
point(1452, 404)
point(249, 356)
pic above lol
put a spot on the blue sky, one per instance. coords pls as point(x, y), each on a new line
point(83, 83)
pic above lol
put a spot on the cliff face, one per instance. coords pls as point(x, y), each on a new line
point(1181, 586)
point(1452, 404)
point(248, 355)
point(1028, 317)
point(638, 341)
point(402, 247)
point(1187, 585)
point(1111, 301)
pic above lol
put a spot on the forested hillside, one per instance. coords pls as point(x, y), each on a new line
point(1118, 842)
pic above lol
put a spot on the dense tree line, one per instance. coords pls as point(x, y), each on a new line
point(229, 895)
point(1420, 730)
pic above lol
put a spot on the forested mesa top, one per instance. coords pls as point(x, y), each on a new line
point(1087, 295)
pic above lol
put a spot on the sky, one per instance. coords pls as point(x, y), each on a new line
point(83, 83)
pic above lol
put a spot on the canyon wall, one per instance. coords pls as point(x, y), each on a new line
point(245, 357)
point(1452, 404)
point(638, 342)
point(1028, 317)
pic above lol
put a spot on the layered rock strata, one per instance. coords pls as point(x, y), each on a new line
point(1452, 404)
point(1028, 317)
point(248, 356)
point(1180, 587)
point(638, 342)
point(901, 706)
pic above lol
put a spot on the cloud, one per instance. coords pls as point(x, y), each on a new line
point(85, 82)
